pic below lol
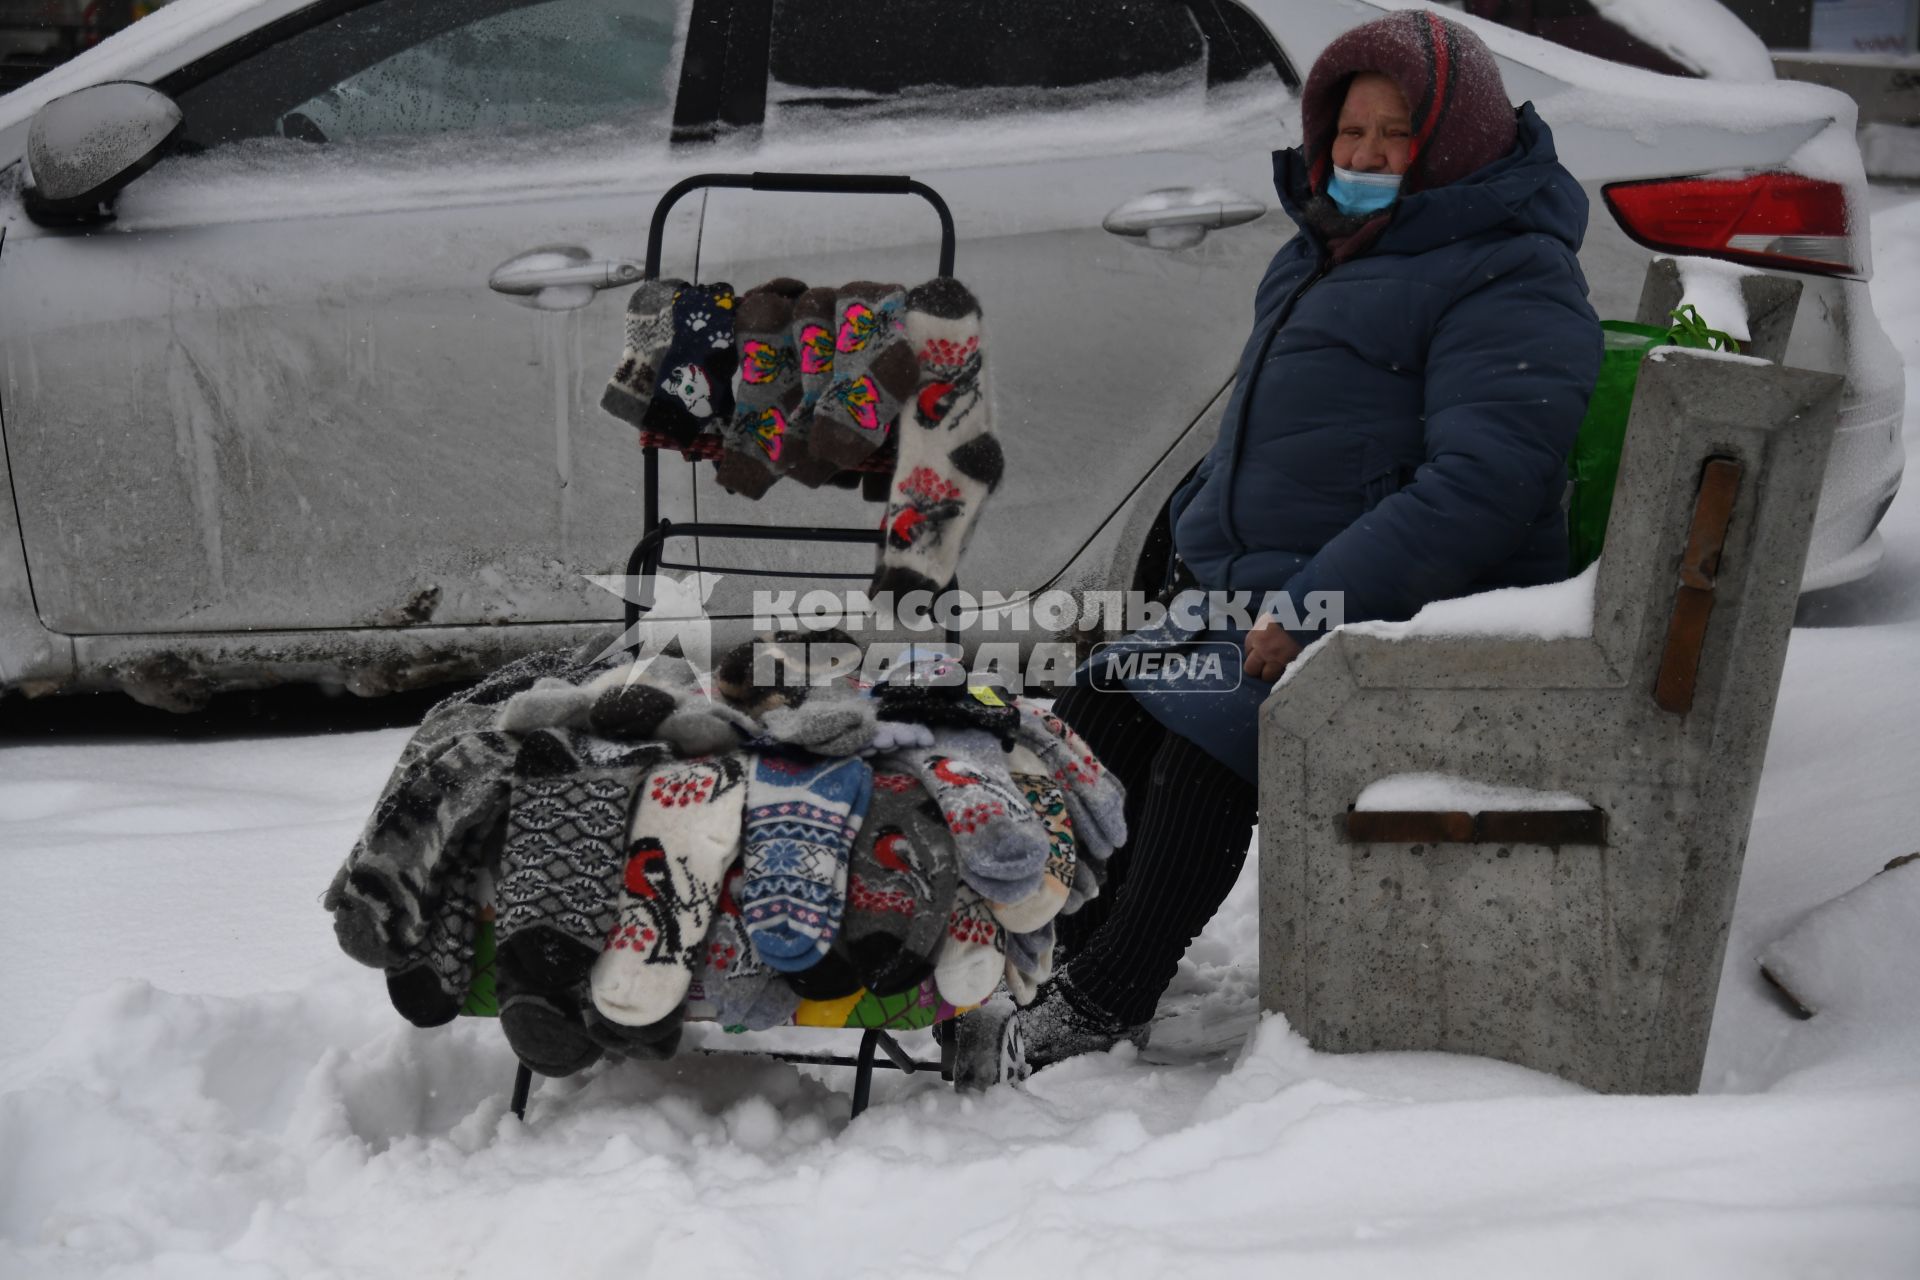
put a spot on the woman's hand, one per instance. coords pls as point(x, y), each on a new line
point(1269, 650)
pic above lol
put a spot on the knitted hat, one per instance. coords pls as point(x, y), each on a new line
point(1462, 120)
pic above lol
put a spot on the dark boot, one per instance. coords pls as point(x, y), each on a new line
point(1061, 1023)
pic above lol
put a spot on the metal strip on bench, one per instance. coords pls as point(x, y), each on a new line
point(1497, 826)
point(1673, 687)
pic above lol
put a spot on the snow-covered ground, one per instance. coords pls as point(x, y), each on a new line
point(195, 1083)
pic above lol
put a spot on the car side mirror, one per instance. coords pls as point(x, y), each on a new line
point(85, 146)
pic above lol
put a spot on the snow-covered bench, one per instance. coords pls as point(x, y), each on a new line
point(1514, 825)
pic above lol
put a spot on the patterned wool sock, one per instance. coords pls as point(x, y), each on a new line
point(813, 320)
point(544, 1024)
point(559, 889)
point(1096, 801)
point(1050, 806)
point(429, 987)
point(685, 834)
point(766, 392)
point(901, 885)
point(802, 817)
point(743, 993)
point(974, 956)
point(873, 373)
point(1003, 844)
point(435, 799)
point(949, 459)
point(695, 391)
point(649, 332)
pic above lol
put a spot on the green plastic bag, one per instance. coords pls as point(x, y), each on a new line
point(1596, 452)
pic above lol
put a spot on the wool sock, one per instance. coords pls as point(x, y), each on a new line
point(1003, 844)
point(1096, 801)
point(695, 390)
point(832, 722)
point(832, 977)
point(901, 884)
point(558, 894)
point(802, 817)
point(873, 373)
point(974, 955)
point(954, 706)
point(544, 1024)
point(685, 834)
point(1029, 963)
point(655, 1042)
point(434, 800)
point(743, 993)
point(767, 392)
point(430, 985)
point(813, 319)
point(649, 333)
point(949, 458)
point(1050, 806)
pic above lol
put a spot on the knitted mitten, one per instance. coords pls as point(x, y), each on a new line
point(802, 817)
point(1050, 806)
point(766, 393)
point(742, 993)
point(973, 958)
point(1003, 845)
point(558, 894)
point(949, 459)
point(695, 391)
point(649, 331)
point(873, 372)
point(685, 834)
point(901, 885)
point(1096, 801)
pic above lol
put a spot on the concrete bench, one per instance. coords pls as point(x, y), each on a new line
point(1583, 939)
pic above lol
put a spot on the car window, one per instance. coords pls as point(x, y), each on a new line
point(974, 58)
point(417, 68)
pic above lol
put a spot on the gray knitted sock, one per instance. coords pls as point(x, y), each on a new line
point(649, 331)
point(1003, 844)
point(832, 722)
point(1095, 799)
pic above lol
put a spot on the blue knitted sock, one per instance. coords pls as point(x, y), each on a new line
point(802, 816)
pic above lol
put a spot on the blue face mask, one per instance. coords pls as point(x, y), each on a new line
point(1354, 193)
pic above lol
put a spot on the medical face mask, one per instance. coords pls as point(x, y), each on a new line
point(1354, 193)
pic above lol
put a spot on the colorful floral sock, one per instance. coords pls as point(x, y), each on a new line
point(873, 373)
point(1096, 801)
point(558, 893)
point(1003, 844)
point(802, 817)
point(973, 958)
point(949, 458)
point(695, 389)
point(901, 885)
point(649, 333)
point(1050, 806)
point(685, 834)
point(766, 392)
point(813, 320)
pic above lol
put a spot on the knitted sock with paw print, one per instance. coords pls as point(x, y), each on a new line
point(686, 832)
point(873, 374)
point(695, 389)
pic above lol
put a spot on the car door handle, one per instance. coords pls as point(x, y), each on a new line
point(560, 277)
point(1180, 217)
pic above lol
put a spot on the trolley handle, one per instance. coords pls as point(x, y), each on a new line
point(857, 184)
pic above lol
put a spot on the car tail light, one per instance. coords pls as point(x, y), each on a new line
point(1779, 220)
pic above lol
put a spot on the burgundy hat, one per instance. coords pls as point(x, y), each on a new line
point(1462, 120)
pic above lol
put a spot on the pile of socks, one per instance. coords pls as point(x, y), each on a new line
point(815, 383)
point(635, 851)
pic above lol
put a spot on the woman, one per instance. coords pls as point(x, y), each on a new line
point(1421, 357)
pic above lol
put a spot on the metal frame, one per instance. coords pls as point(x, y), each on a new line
point(648, 556)
point(649, 552)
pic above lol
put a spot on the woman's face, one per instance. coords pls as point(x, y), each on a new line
point(1375, 128)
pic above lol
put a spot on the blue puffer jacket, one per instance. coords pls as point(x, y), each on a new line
point(1401, 424)
point(1400, 427)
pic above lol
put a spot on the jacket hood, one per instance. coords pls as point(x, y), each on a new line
point(1526, 190)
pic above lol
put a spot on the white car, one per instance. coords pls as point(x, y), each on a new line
point(269, 422)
